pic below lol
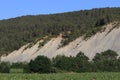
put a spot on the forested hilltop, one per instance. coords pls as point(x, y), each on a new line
point(19, 31)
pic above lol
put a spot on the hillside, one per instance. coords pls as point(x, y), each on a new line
point(101, 41)
point(62, 33)
point(19, 31)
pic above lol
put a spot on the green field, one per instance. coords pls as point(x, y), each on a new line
point(61, 76)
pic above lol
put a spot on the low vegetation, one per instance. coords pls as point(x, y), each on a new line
point(102, 62)
point(106, 61)
point(104, 66)
point(41, 64)
point(4, 67)
point(63, 76)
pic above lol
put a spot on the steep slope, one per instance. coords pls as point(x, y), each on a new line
point(101, 41)
point(17, 32)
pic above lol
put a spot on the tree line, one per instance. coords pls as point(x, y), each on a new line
point(107, 61)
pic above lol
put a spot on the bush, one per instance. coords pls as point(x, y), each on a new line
point(17, 65)
point(40, 65)
point(106, 61)
point(4, 67)
point(62, 62)
point(79, 63)
point(26, 69)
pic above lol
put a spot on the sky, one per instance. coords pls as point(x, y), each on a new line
point(15, 8)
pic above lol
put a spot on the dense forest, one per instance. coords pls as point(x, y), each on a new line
point(19, 31)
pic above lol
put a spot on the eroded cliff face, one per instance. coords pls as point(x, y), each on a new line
point(101, 41)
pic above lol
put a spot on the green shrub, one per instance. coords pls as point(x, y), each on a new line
point(17, 65)
point(4, 67)
point(41, 64)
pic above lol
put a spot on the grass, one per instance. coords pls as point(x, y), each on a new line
point(62, 76)
point(16, 71)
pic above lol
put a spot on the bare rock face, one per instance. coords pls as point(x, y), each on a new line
point(101, 41)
